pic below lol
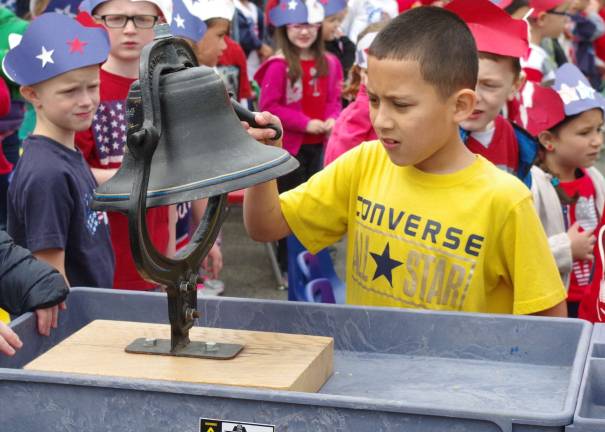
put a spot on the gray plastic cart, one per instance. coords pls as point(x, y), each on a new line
point(394, 369)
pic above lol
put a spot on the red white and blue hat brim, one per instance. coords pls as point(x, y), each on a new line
point(165, 7)
point(54, 44)
point(185, 23)
point(332, 7)
point(296, 12)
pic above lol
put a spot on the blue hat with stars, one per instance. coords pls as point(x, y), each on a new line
point(184, 21)
point(297, 12)
point(332, 7)
point(54, 44)
point(575, 91)
point(65, 7)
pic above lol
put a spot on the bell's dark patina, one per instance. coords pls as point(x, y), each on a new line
point(185, 142)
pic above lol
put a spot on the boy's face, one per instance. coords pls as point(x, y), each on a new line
point(553, 23)
point(331, 25)
point(496, 83)
point(212, 45)
point(412, 120)
point(127, 42)
point(68, 101)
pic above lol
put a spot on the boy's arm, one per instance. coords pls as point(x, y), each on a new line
point(263, 217)
point(559, 310)
point(102, 175)
point(53, 257)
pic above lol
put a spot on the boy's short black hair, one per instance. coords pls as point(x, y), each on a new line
point(438, 40)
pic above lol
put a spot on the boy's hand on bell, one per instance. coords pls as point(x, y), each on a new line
point(264, 135)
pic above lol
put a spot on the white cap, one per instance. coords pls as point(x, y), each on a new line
point(209, 9)
point(361, 54)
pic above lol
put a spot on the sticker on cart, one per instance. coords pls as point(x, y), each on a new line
point(213, 425)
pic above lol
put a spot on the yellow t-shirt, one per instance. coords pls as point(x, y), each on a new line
point(468, 241)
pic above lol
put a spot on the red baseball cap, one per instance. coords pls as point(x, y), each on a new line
point(541, 6)
point(542, 108)
point(494, 30)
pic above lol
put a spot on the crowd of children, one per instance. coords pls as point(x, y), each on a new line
point(451, 142)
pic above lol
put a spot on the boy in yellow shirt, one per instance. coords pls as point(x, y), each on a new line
point(429, 224)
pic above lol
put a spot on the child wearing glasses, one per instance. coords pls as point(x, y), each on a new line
point(547, 20)
point(302, 85)
point(129, 25)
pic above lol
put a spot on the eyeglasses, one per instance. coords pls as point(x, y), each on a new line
point(120, 21)
point(301, 27)
point(555, 12)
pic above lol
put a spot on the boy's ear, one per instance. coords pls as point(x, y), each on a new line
point(464, 104)
point(518, 85)
point(29, 94)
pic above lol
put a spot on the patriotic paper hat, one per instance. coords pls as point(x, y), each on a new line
point(165, 6)
point(575, 90)
point(541, 6)
point(297, 12)
point(185, 23)
point(65, 7)
point(209, 9)
point(494, 30)
point(542, 108)
point(53, 44)
point(332, 7)
point(361, 53)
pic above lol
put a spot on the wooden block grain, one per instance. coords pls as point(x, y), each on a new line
point(276, 361)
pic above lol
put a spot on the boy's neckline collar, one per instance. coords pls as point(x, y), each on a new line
point(461, 176)
point(69, 150)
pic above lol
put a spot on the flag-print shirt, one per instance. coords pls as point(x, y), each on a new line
point(103, 147)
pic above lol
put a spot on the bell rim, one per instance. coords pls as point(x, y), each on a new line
point(158, 193)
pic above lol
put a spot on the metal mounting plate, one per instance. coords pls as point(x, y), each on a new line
point(195, 349)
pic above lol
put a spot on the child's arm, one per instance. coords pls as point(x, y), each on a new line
point(53, 257)
point(559, 310)
point(263, 217)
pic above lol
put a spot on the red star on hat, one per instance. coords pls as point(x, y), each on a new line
point(76, 45)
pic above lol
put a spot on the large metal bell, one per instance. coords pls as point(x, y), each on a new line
point(203, 149)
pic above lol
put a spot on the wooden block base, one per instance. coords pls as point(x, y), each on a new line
point(276, 361)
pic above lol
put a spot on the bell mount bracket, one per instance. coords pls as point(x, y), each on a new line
point(180, 275)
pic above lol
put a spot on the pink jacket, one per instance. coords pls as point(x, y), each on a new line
point(284, 100)
point(352, 127)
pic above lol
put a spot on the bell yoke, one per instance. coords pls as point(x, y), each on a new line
point(185, 142)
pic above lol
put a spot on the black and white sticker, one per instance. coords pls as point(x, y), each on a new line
point(213, 425)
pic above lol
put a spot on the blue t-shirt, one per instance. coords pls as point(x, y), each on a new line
point(49, 208)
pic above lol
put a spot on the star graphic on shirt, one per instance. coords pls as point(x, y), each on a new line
point(45, 56)
point(292, 4)
point(385, 265)
point(76, 45)
point(568, 94)
point(180, 22)
point(585, 92)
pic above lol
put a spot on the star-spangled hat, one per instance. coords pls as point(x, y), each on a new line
point(575, 90)
point(332, 7)
point(361, 52)
point(297, 12)
point(185, 23)
point(65, 7)
point(542, 108)
point(494, 30)
point(165, 6)
point(53, 44)
point(541, 6)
